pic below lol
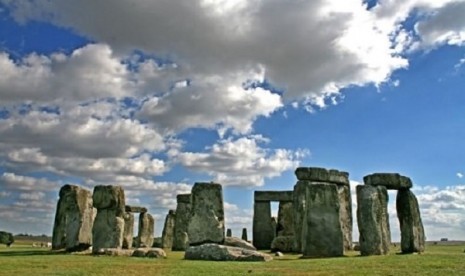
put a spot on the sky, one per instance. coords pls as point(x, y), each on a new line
point(158, 95)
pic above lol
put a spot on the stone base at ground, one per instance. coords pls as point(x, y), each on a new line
point(216, 252)
point(135, 252)
point(283, 244)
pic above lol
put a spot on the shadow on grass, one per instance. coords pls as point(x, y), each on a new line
point(17, 253)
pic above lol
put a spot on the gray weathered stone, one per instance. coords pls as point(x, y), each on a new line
point(168, 230)
point(236, 242)
point(411, 226)
point(128, 234)
point(135, 209)
point(283, 244)
point(183, 213)
point(116, 252)
point(244, 234)
point(322, 175)
point(228, 232)
point(216, 252)
point(206, 224)
point(273, 196)
point(262, 229)
point(156, 253)
point(285, 223)
point(73, 219)
point(392, 181)
point(373, 220)
point(108, 228)
point(322, 231)
point(146, 227)
point(345, 212)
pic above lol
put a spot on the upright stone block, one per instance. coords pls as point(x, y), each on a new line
point(244, 234)
point(373, 220)
point(128, 234)
point(411, 226)
point(146, 227)
point(228, 232)
point(322, 231)
point(168, 230)
point(183, 214)
point(73, 219)
point(206, 224)
point(345, 212)
point(285, 224)
point(108, 228)
point(262, 228)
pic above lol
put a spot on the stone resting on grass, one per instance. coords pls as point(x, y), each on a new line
point(217, 252)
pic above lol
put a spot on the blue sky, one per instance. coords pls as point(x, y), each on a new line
point(153, 96)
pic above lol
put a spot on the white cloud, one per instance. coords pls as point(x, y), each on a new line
point(459, 175)
point(11, 181)
point(241, 162)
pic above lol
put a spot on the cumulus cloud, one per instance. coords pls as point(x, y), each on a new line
point(241, 162)
point(459, 175)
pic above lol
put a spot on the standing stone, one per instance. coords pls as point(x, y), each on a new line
point(146, 227)
point(285, 224)
point(128, 234)
point(228, 232)
point(108, 228)
point(311, 176)
point(183, 214)
point(206, 224)
point(411, 226)
point(322, 231)
point(244, 234)
point(263, 230)
point(373, 220)
point(73, 219)
point(168, 230)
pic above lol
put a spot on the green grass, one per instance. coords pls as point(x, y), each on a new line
point(438, 260)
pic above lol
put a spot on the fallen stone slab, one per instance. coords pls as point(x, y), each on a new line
point(392, 181)
point(216, 252)
point(115, 252)
point(236, 242)
point(149, 252)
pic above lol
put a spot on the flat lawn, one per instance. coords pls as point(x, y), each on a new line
point(438, 260)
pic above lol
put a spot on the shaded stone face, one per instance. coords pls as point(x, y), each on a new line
point(206, 224)
point(228, 233)
point(411, 226)
point(322, 231)
point(135, 209)
point(345, 213)
point(183, 214)
point(73, 219)
point(285, 224)
point(146, 227)
point(108, 229)
point(168, 230)
point(273, 196)
point(392, 181)
point(322, 175)
point(128, 230)
point(373, 220)
point(262, 228)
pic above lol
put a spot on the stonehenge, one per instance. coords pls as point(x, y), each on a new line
point(314, 219)
point(74, 219)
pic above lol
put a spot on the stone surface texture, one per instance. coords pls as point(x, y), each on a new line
point(108, 228)
point(322, 232)
point(285, 223)
point(229, 232)
point(128, 234)
point(206, 224)
point(345, 213)
point(322, 175)
point(392, 181)
point(236, 242)
point(146, 228)
point(168, 230)
point(263, 230)
point(216, 252)
point(73, 219)
point(373, 220)
point(183, 214)
point(283, 244)
point(411, 227)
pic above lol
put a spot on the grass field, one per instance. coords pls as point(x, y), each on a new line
point(438, 260)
